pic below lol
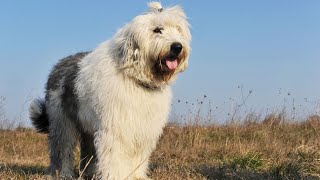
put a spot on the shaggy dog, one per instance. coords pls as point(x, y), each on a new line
point(115, 99)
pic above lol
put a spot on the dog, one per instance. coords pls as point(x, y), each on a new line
point(116, 99)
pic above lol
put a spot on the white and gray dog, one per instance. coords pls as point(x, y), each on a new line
point(115, 99)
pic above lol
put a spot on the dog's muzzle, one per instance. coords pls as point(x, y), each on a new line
point(172, 61)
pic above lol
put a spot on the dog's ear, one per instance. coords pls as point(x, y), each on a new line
point(127, 48)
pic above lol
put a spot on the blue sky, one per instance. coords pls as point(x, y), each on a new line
point(264, 46)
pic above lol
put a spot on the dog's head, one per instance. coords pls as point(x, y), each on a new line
point(154, 46)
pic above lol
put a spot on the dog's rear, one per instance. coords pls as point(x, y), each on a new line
point(59, 110)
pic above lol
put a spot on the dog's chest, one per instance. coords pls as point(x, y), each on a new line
point(141, 115)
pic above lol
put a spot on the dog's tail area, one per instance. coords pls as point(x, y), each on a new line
point(38, 115)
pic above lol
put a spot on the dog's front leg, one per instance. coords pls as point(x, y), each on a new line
point(112, 160)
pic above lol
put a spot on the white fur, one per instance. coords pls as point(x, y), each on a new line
point(154, 6)
point(126, 118)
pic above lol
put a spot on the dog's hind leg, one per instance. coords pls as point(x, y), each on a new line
point(63, 136)
point(88, 156)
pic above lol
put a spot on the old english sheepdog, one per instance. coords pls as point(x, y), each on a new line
point(115, 99)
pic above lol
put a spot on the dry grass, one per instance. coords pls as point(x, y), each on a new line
point(273, 148)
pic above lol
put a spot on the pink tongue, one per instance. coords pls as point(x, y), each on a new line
point(172, 64)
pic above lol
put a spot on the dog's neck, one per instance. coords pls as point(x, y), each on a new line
point(148, 86)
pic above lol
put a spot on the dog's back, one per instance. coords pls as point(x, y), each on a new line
point(62, 78)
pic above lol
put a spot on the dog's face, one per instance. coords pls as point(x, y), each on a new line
point(155, 46)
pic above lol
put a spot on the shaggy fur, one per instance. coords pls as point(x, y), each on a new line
point(115, 99)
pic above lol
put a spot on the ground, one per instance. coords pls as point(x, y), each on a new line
point(270, 149)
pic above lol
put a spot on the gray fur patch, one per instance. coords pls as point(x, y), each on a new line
point(63, 76)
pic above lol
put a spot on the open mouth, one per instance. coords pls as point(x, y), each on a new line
point(170, 63)
point(166, 66)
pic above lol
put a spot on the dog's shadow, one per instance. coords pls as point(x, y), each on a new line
point(23, 169)
point(225, 172)
point(220, 172)
point(211, 172)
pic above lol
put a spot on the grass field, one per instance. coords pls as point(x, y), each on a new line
point(273, 148)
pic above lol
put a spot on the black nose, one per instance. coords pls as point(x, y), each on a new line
point(176, 48)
